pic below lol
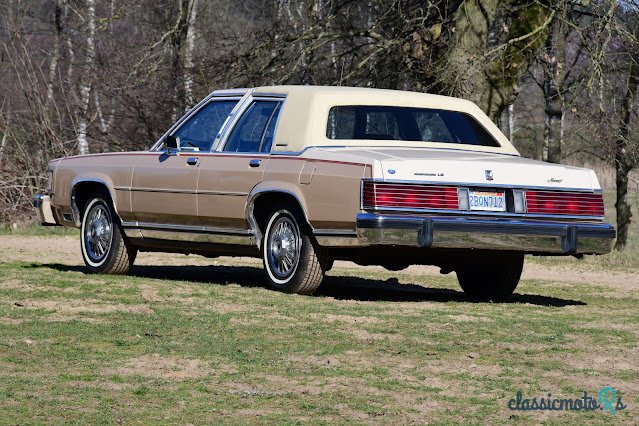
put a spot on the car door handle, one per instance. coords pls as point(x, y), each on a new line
point(192, 161)
point(255, 163)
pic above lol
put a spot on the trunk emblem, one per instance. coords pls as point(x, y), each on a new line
point(391, 171)
point(489, 175)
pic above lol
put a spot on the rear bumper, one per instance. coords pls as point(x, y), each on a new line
point(540, 237)
point(42, 204)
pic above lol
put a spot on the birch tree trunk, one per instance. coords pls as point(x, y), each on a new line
point(55, 55)
point(623, 160)
point(104, 123)
point(86, 81)
point(188, 55)
point(511, 122)
point(3, 144)
point(178, 48)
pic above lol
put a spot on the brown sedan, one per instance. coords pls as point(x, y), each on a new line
point(301, 176)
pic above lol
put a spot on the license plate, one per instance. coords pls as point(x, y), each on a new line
point(491, 201)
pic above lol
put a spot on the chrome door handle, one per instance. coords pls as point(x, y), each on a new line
point(255, 163)
point(192, 161)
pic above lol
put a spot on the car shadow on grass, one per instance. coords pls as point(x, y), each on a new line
point(337, 287)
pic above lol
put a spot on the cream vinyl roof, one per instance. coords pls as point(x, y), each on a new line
point(304, 116)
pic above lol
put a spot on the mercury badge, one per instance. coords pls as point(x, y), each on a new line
point(489, 175)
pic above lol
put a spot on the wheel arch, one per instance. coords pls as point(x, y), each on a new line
point(82, 188)
point(261, 197)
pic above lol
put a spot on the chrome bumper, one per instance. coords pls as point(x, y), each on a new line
point(492, 234)
point(42, 204)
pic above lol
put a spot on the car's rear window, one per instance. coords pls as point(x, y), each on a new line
point(405, 124)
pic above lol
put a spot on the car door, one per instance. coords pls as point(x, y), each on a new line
point(164, 184)
point(229, 174)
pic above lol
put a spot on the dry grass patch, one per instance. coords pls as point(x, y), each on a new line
point(345, 319)
point(164, 367)
point(77, 309)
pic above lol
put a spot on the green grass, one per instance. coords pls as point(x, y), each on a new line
point(208, 345)
point(211, 345)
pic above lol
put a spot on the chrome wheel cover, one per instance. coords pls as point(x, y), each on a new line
point(98, 232)
point(283, 247)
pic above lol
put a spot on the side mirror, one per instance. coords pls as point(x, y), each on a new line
point(172, 144)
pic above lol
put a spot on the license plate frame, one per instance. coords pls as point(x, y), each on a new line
point(487, 200)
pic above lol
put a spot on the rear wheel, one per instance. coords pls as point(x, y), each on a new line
point(491, 277)
point(104, 247)
point(293, 260)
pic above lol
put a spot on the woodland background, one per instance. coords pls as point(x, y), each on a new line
point(76, 76)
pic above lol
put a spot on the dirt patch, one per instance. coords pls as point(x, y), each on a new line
point(274, 320)
point(164, 367)
point(66, 310)
point(11, 321)
point(150, 294)
point(616, 280)
point(15, 284)
point(325, 361)
point(345, 319)
point(228, 308)
point(106, 385)
point(468, 318)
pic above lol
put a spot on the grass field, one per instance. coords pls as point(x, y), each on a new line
point(193, 340)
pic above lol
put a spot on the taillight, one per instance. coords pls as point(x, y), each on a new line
point(566, 203)
point(378, 194)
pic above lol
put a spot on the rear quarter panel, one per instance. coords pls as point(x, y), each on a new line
point(329, 190)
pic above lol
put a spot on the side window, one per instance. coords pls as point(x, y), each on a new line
point(198, 133)
point(255, 129)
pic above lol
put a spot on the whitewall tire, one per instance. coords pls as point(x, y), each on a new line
point(293, 260)
point(104, 247)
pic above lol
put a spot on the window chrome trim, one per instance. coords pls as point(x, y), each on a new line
point(240, 91)
point(277, 124)
point(246, 103)
point(200, 108)
point(212, 97)
point(268, 94)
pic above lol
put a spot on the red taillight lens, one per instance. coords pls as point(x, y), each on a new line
point(566, 203)
point(378, 194)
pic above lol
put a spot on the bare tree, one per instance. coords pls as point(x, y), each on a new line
point(189, 54)
point(55, 55)
point(86, 80)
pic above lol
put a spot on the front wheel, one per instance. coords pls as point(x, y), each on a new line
point(293, 261)
point(104, 248)
point(491, 277)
